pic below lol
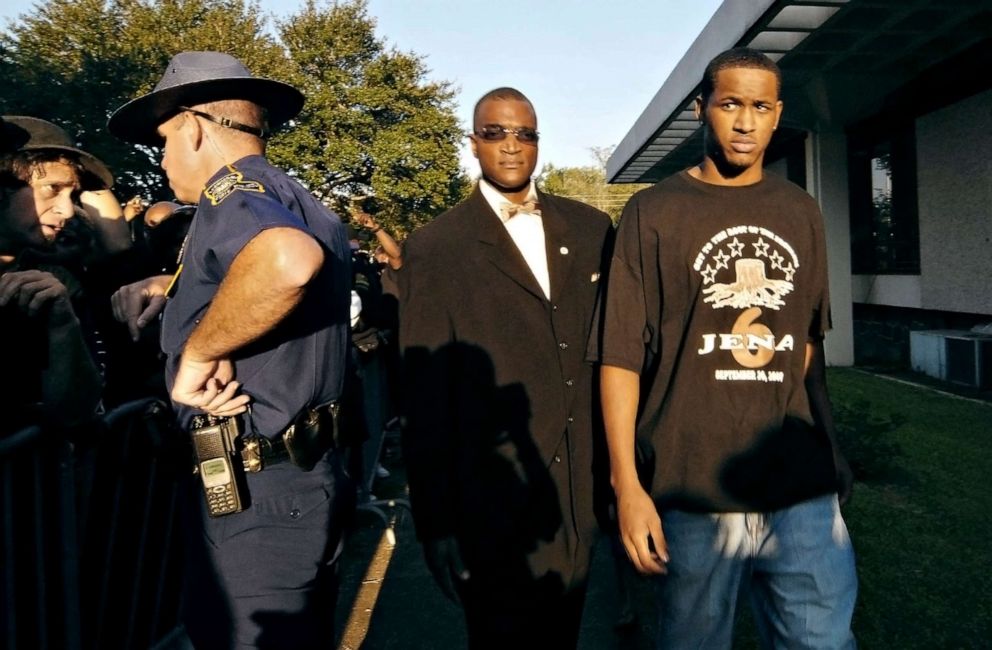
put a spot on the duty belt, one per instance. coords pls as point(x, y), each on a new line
point(303, 442)
point(259, 452)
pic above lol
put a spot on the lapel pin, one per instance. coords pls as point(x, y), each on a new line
point(594, 276)
point(563, 250)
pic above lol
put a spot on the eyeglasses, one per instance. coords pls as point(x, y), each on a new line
point(227, 122)
point(497, 132)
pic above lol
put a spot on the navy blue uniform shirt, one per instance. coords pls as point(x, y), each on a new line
point(301, 363)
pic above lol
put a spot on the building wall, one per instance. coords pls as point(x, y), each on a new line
point(954, 182)
point(894, 290)
point(778, 167)
point(826, 170)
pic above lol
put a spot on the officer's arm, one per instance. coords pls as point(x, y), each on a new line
point(265, 282)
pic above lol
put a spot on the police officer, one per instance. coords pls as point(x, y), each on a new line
point(255, 325)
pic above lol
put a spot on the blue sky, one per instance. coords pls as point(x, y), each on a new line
point(589, 66)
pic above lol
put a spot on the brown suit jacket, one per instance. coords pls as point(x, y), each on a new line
point(502, 409)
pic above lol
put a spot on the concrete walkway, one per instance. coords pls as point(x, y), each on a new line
point(388, 599)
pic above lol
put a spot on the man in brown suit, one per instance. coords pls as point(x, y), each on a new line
point(497, 297)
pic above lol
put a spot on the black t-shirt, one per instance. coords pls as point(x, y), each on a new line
point(713, 294)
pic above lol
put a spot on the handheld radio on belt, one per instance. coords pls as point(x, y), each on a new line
point(219, 464)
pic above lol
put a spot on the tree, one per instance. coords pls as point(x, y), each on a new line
point(374, 128)
point(588, 184)
point(74, 61)
point(372, 125)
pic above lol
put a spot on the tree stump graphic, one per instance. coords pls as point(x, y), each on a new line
point(751, 288)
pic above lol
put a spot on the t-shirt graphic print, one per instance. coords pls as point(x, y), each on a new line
point(747, 268)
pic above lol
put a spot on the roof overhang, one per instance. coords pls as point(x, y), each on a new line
point(839, 60)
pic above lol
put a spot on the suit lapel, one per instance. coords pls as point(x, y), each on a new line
point(499, 248)
point(558, 244)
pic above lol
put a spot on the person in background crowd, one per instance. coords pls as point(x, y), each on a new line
point(134, 206)
point(373, 336)
point(106, 218)
point(159, 212)
point(384, 241)
point(48, 373)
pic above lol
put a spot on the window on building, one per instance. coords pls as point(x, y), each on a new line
point(885, 234)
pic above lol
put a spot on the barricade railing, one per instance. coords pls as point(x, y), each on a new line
point(40, 580)
point(90, 543)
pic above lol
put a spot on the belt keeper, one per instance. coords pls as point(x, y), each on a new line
point(251, 455)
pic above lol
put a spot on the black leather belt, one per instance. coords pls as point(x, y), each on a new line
point(260, 452)
point(311, 435)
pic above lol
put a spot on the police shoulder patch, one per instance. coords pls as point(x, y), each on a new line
point(224, 186)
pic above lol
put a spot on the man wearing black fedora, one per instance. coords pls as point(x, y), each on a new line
point(48, 373)
point(255, 328)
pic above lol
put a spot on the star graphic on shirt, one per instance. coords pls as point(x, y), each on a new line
point(761, 248)
point(709, 274)
point(790, 271)
point(736, 248)
point(776, 259)
point(721, 259)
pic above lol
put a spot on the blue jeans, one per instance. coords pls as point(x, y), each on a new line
point(796, 565)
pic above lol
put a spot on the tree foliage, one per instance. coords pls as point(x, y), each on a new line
point(373, 125)
point(588, 184)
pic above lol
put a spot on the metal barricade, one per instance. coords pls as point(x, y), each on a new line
point(40, 605)
point(90, 544)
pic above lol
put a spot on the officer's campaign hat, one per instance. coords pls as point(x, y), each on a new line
point(22, 133)
point(193, 78)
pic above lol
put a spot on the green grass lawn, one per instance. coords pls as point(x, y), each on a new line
point(920, 515)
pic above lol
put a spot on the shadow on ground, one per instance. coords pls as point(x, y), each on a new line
point(412, 614)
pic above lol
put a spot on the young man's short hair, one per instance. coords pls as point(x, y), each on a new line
point(739, 57)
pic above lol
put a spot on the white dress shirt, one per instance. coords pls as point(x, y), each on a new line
point(526, 229)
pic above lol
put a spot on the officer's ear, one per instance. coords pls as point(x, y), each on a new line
point(193, 131)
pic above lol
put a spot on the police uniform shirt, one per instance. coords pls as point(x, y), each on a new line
point(300, 364)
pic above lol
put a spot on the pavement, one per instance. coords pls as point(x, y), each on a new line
point(388, 599)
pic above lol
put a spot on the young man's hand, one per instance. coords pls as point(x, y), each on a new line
point(845, 478)
point(640, 530)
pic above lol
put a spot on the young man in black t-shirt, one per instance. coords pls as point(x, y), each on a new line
point(711, 345)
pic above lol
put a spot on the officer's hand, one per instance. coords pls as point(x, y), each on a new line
point(37, 293)
point(138, 303)
point(208, 385)
point(445, 562)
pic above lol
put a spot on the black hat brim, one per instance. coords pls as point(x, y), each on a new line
point(25, 133)
point(93, 165)
point(138, 120)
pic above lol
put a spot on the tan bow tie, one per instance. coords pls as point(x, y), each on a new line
point(508, 210)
